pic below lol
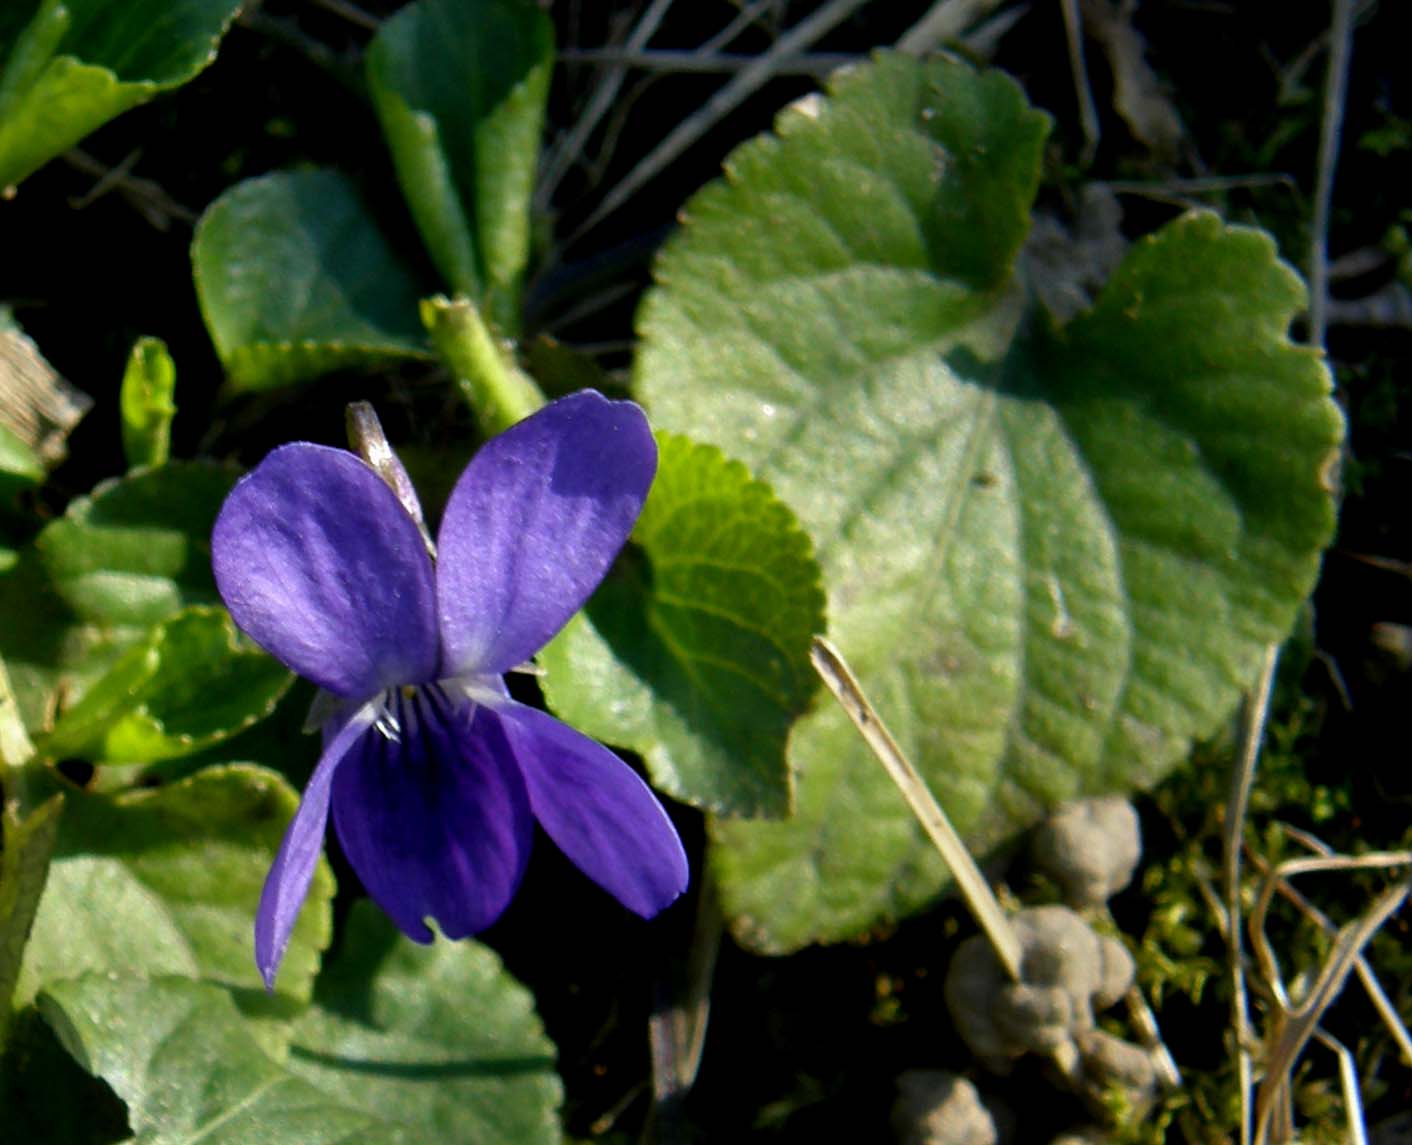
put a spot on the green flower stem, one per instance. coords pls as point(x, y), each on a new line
point(498, 391)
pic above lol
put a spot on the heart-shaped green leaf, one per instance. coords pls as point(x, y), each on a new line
point(460, 87)
point(166, 881)
point(69, 66)
point(1053, 556)
point(295, 280)
point(696, 652)
point(438, 1040)
point(191, 684)
point(96, 580)
point(178, 1053)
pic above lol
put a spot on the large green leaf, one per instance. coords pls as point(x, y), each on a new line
point(191, 684)
point(178, 1053)
point(295, 280)
point(460, 87)
point(96, 580)
point(166, 881)
point(72, 65)
point(696, 652)
point(1053, 556)
point(438, 1040)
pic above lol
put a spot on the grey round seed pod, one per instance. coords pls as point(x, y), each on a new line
point(1090, 848)
point(1067, 971)
point(938, 1108)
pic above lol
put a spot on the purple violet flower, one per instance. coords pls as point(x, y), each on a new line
point(435, 776)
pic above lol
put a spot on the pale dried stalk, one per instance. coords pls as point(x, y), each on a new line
point(565, 152)
point(1335, 87)
point(1257, 711)
point(793, 43)
point(1295, 1025)
point(981, 900)
point(1374, 988)
point(943, 22)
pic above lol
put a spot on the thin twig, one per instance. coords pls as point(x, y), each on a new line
point(680, 61)
point(1366, 975)
point(149, 198)
point(1335, 86)
point(1300, 1023)
point(793, 43)
point(748, 15)
point(1088, 113)
point(943, 22)
point(1348, 1076)
point(350, 12)
point(1257, 710)
point(981, 900)
point(564, 153)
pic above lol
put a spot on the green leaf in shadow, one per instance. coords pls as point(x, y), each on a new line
point(460, 87)
point(295, 280)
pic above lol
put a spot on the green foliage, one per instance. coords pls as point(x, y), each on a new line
point(24, 863)
point(460, 88)
point(439, 1040)
point(295, 279)
point(696, 653)
point(403, 1044)
point(177, 1052)
point(1017, 523)
point(72, 65)
point(148, 404)
point(191, 684)
point(165, 881)
point(94, 581)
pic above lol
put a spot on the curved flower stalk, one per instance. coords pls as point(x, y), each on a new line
point(434, 775)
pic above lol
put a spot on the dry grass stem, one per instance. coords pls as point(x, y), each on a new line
point(791, 44)
point(981, 900)
point(1335, 90)
point(1257, 711)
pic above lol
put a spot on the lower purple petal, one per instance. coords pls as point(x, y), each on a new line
point(287, 884)
point(436, 822)
point(598, 810)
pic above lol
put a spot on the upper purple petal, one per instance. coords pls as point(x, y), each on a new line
point(287, 884)
point(598, 810)
point(321, 565)
point(436, 822)
point(532, 526)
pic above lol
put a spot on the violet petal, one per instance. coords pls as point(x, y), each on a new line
point(436, 822)
point(532, 526)
point(598, 810)
point(287, 884)
point(320, 564)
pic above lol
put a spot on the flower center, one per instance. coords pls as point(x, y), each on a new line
point(403, 710)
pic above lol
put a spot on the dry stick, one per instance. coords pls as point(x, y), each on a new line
point(792, 43)
point(1348, 1079)
point(748, 15)
point(1088, 113)
point(683, 61)
point(981, 900)
point(565, 151)
point(1376, 994)
point(1374, 988)
point(1335, 85)
point(1257, 710)
point(1298, 1025)
point(943, 21)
